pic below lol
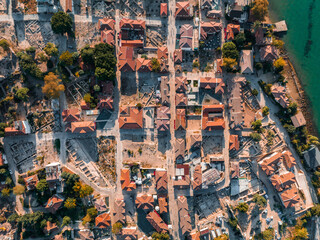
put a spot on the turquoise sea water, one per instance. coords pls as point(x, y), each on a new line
point(303, 43)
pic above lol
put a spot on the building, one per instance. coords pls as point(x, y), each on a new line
point(144, 202)
point(69, 6)
point(185, 220)
point(105, 103)
point(161, 180)
point(197, 178)
point(218, 67)
point(180, 122)
point(126, 62)
point(280, 95)
point(195, 141)
point(214, 14)
point(298, 120)
point(126, 183)
point(100, 205)
point(163, 205)
point(165, 91)
point(131, 118)
point(186, 37)
point(209, 28)
point(143, 65)
point(209, 177)
point(289, 160)
point(180, 148)
point(234, 144)
point(19, 128)
point(50, 228)
point(156, 221)
point(103, 220)
point(83, 127)
point(163, 119)
point(181, 84)
point(236, 13)
point(282, 182)
point(232, 31)
point(129, 233)
point(71, 115)
point(271, 163)
point(181, 100)
point(215, 84)
point(119, 211)
point(182, 178)
point(183, 10)
point(54, 203)
point(268, 53)
point(163, 10)
point(132, 32)
point(53, 176)
point(106, 27)
point(246, 62)
point(178, 56)
point(290, 197)
point(212, 117)
point(234, 170)
point(312, 157)
point(31, 182)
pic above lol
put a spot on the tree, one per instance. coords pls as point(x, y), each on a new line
point(116, 228)
point(85, 190)
point(91, 214)
point(88, 98)
point(5, 192)
point(312, 140)
point(256, 125)
point(290, 128)
point(13, 218)
point(301, 233)
point(255, 136)
point(22, 94)
point(229, 50)
point(229, 63)
point(66, 58)
point(52, 86)
point(260, 9)
point(266, 234)
point(66, 221)
point(96, 88)
point(279, 64)
point(254, 92)
point(222, 237)
point(240, 39)
point(61, 23)
point(155, 65)
point(101, 73)
point(278, 43)
point(233, 222)
point(18, 190)
point(104, 58)
point(28, 65)
point(265, 111)
point(293, 108)
point(42, 185)
point(258, 66)
point(260, 200)
point(51, 49)
point(243, 207)
point(70, 203)
point(5, 45)
point(160, 236)
point(87, 54)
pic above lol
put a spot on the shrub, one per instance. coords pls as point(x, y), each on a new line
point(61, 23)
point(265, 111)
point(260, 200)
point(255, 136)
point(255, 92)
point(116, 228)
point(243, 207)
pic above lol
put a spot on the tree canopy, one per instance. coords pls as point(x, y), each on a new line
point(61, 23)
point(42, 185)
point(18, 190)
point(116, 228)
point(260, 9)
point(105, 61)
point(22, 94)
point(28, 64)
point(279, 64)
point(51, 49)
point(70, 203)
point(66, 58)
point(265, 111)
point(229, 50)
point(260, 200)
point(243, 207)
point(87, 54)
point(52, 86)
point(229, 63)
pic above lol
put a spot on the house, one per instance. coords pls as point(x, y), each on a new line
point(156, 221)
point(234, 170)
point(232, 30)
point(107, 36)
point(54, 203)
point(163, 205)
point(83, 127)
point(206, 4)
point(71, 115)
point(180, 148)
point(268, 53)
point(218, 67)
point(165, 90)
point(178, 56)
point(246, 62)
point(105, 103)
point(126, 62)
point(181, 84)
point(106, 24)
point(237, 14)
point(131, 118)
point(282, 182)
point(298, 120)
point(162, 53)
point(161, 178)
point(289, 160)
point(84, 105)
point(195, 141)
point(119, 211)
point(261, 39)
point(100, 205)
point(103, 220)
point(130, 24)
point(132, 32)
point(183, 10)
point(53, 175)
point(312, 157)
point(209, 28)
point(180, 122)
point(186, 37)
point(163, 10)
point(212, 117)
point(234, 143)
point(185, 220)
point(31, 182)
point(290, 197)
point(143, 65)
point(50, 228)
point(209, 177)
point(197, 178)
point(181, 100)
point(125, 180)
point(163, 118)
point(211, 83)
point(144, 202)
point(214, 14)
point(19, 128)
point(280, 95)
point(270, 164)
point(129, 233)
point(69, 6)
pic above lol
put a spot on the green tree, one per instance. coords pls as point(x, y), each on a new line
point(22, 94)
point(116, 228)
point(312, 140)
point(66, 58)
point(260, 9)
point(85, 190)
point(290, 128)
point(155, 64)
point(52, 86)
point(87, 54)
point(28, 65)
point(255, 136)
point(5, 45)
point(279, 64)
point(265, 111)
point(42, 185)
point(160, 236)
point(70, 203)
point(240, 39)
point(61, 23)
point(301, 234)
point(51, 49)
point(5, 192)
point(229, 50)
point(233, 222)
point(254, 92)
point(13, 218)
point(66, 221)
point(260, 200)
point(91, 214)
point(243, 207)
point(19, 190)
point(102, 73)
point(278, 43)
point(8, 181)
point(257, 126)
point(293, 108)
point(229, 64)
point(104, 58)
point(88, 98)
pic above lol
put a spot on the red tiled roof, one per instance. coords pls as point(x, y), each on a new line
point(178, 56)
point(232, 29)
point(129, 233)
point(181, 84)
point(183, 9)
point(126, 23)
point(103, 220)
point(31, 182)
point(106, 24)
point(84, 105)
point(269, 53)
point(284, 181)
point(209, 28)
point(126, 62)
point(162, 52)
point(234, 170)
point(181, 99)
point(289, 159)
point(163, 9)
point(197, 178)
point(269, 164)
point(290, 197)
point(119, 211)
point(126, 183)
point(161, 180)
point(54, 203)
point(234, 143)
point(131, 118)
point(83, 127)
point(107, 36)
point(105, 103)
point(180, 121)
point(71, 115)
point(212, 118)
point(185, 220)
point(145, 202)
point(50, 227)
point(156, 221)
point(186, 36)
point(163, 205)
point(143, 65)
point(216, 84)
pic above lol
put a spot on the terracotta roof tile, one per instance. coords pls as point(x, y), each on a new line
point(131, 118)
point(161, 180)
point(125, 180)
point(103, 220)
point(212, 117)
point(145, 202)
point(156, 221)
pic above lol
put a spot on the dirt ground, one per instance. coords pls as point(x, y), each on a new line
point(211, 145)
